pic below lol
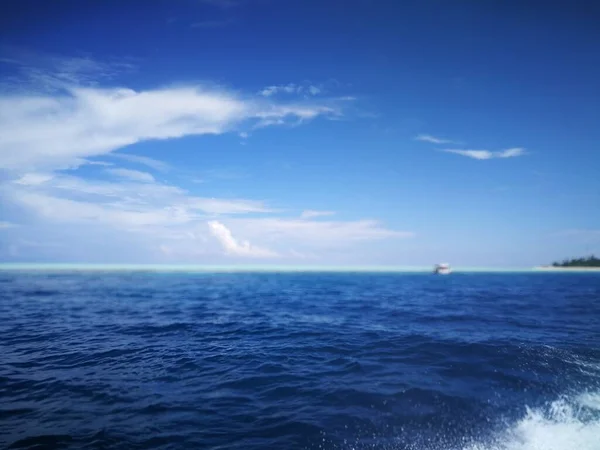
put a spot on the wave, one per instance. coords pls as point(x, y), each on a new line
point(565, 424)
point(568, 423)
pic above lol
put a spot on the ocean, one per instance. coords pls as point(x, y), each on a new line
point(201, 360)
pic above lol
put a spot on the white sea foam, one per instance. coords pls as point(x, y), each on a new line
point(566, 424)
point(570, 423)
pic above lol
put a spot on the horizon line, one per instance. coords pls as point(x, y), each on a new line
point(207, 268)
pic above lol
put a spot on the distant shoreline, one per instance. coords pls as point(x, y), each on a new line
point(171, 268)
point(567, 269)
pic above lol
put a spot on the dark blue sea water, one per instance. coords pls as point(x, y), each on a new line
point(299, 361)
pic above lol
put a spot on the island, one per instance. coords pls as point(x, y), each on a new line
point(591, 263)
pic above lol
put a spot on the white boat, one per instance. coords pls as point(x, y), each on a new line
point(442, 269)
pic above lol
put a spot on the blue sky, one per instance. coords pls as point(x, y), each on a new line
point(299, 132)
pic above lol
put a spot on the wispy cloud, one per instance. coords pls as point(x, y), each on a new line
point(475, 154)
point(51, 73)
point(90, 162)
point(272, 90)
point(314, 232)
point(487, 154)
point(135, 175)
point(311, 213)
point(162, 216)
point(143, 160)
point(61, 131)
point(432, 139)
point(307, 89)
point(34, 179)
point(132, 202)
point(63, 118)
point(232, 246)
point(67, 120)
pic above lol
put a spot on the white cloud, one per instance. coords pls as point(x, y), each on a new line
point(143, 160)
point(276, 114)
point(311, 213)
point(59, 131)
point(292, 88)
point(475, 154)
point(433, 139)
point(313, 233)
point(5, 225)
point(288, 89)
point(155, 214)
point(233, 247)
point(487, 154)
point(123, 204)
point(510, 153)
point(33, 179)
point(135, 175)
point(65, 210)
point(60, 124)
point(97, 163)
point(51, 73)
point(223, 206)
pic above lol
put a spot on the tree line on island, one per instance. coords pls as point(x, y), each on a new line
point(590, 261)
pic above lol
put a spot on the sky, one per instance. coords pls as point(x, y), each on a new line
point(299, 132)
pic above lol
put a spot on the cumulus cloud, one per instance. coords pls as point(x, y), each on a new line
point(135, 175)
point(311, 213)
point(487, 154)
point(432, 139)
point(233, 247)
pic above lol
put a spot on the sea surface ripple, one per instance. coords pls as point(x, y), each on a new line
point(118, 360)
